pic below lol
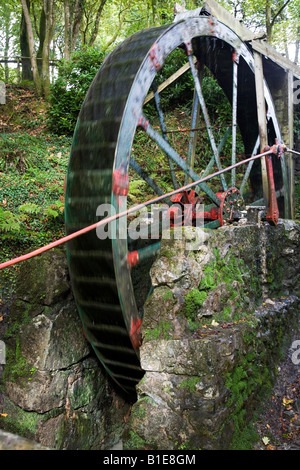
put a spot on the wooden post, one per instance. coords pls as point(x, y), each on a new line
point(290, 144)
point(170, 80)
point(262, 120)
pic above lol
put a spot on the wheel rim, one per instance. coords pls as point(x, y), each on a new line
point(142, 56)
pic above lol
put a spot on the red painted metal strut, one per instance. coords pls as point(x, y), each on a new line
point(272, 211)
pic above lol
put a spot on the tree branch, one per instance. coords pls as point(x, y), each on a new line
point(279, 11)
point(97, 22)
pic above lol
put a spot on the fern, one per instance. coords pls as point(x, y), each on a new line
point(30, 208)
point(54, 210)
point(51, 211)
point(8, 222)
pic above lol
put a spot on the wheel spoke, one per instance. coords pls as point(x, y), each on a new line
point(249, 167)
point(142, 254)
point(164, 131)
point(206, 119)
point(193, 135)
point(261, 202)
point(213, 224)
point(220, 147)
point(169, 150)
point(144, 175)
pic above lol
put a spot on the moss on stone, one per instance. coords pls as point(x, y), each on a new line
point(162, 331)
point(168, 295)
point(193, 301)
point(250, 379)
point(190, 383)
point(135, 442)
point(19, 421)
point(234, 275)
point(46, 282)
point(167, 253)
point(17, 321)
point(227, 270)
point(17, 366)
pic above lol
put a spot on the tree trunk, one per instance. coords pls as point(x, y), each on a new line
point(25, 53)
point(35, 72)
point(76, 24)
point(271, 21)
point(154, 11)
point(41, 35)
point(297, 46)
point(97, 22)
point(268, 21)
point(49, 23)
point(7, 40)
point(67, 30)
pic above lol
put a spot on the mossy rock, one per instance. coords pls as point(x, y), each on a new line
point(44, 280)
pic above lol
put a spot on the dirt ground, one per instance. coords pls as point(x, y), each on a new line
point(279, 424)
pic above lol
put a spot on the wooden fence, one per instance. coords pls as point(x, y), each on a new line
point(18, 61)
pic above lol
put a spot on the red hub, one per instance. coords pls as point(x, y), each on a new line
point(187, 208)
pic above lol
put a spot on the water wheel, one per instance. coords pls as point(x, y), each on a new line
point(104, 163)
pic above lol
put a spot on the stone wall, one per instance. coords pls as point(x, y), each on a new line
point(53, 389)
point(228, 305)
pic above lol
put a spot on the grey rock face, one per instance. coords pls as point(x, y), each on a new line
point(214, 330)
point(55, 392)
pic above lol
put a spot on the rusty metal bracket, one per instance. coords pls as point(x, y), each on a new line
point(272, 211)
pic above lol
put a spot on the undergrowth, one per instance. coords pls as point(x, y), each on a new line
point(33, 165)
point(32, 176)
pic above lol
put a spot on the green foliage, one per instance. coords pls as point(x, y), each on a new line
point(216, 101)
point(219, 270)
point(135, 442)
point(8, 222)
point(32, 194)
point(29, 153)
point(193, 301)
point(69, 90)
point(29, 208)
point(282, 18)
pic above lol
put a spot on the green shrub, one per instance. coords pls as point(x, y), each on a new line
point(68, 92)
